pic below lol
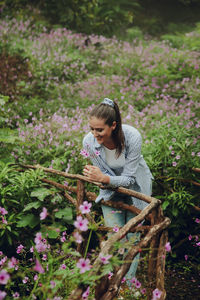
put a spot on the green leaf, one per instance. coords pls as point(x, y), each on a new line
point(41, 193)
point(32, 205)
point(64, 213)
point(165, 204)
point(28, 220)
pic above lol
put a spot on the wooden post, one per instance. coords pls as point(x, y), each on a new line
point(160, 268)
point(80, 193)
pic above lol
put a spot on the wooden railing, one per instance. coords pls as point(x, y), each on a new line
point(154, 235)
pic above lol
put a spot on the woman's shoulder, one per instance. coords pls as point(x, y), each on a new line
point(130, 130)
point(88, 139)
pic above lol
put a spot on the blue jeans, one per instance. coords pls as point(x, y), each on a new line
point(115, 217)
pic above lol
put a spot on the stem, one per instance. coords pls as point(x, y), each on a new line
point(88, 242)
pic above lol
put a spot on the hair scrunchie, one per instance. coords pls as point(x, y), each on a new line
point(108, 102)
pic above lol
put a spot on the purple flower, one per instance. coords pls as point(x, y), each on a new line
point(16, 295)
point(197, 220)
point(133, 280)
point(20, 248)
point(4, 277)
point(25, 280)
point(115, 228)
point(13, 262)
point(190, 237)
point(81, 224)
point(137, 284)
point(78, 237)
point(186, 257)
point(85, 207)
point(86, 293)
point(38, 267)
point(156, 294)
point(84, 153)
point(105, 258)
point(110, 274)
point(3, 211)
point(83, 265)
point(2, 295)
point(97, 153)
point(43, 214)
point(174, 164)
point(168, 247)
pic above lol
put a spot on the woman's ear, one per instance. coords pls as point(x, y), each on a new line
point(114, 124)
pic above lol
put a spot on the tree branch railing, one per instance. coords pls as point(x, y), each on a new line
point(155, 235)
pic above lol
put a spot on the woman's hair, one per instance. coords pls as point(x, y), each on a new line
point(110, 114)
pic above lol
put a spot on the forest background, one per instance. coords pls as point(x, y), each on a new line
point(58, 59)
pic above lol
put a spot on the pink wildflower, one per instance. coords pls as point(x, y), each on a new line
point(83, 265)
point(197, 220)
point(38, 267)
point(115, 228)
point(52, 283)
point(168, 247)
point(123, 280)
point(86, 293)
point(156, 294)
point(78, 237)
point(43, 214)
point(190, 237)
point(174, 164)
point(97, 153)
point(20, 248)
point(13, 262)
point(186, 257)
point(105, 259)
point(133, 280)
point(25, 280)
point(137, 284)
point(4, 277)
point(63, 267)
point(85, 207)
point(81, 224)
point(2, 295)
point(84, 153)
point(3, 211)
point(110, 274)
point(16, 295)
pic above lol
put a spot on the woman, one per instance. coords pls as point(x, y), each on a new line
point(115, 151)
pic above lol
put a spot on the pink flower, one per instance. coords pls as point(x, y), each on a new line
point(84, 153)
point(143, 291)
point(52, 283)
point(78, 237)
point(115, 228)
point(20, 248)
point(186, 257)
point(4, 277)
point(168, 247)
point(63, 267)
point(97, 153)
point(133, 280)
point(123, 280)
point(81, 224)
point(25, 280)
point(137, 284)
point(83, 265)
point(190, 237)
point(85, 207)
point(16, 295)
point(2, 295)
point(43, 214)
point(178, 157)
point(174, 164)
point(197, 220)
point(198, 244)
point(110, 274)
point(86, 293)
point(156, 294)
point(38, 267)
point(3, 211)
point(105, 259)
point(13, 262)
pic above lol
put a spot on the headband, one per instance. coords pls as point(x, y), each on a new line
point(108, 102)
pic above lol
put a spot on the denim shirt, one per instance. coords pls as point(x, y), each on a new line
point(134, 175)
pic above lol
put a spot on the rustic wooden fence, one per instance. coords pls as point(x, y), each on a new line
point(154, 236)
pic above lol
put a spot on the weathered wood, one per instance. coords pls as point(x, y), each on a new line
point(196, 170)
point(116, 279)
point(70, 198)
point(122, 190)
point(160, 267)
point(80, 193)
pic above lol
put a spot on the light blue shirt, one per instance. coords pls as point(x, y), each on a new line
point(135, 173)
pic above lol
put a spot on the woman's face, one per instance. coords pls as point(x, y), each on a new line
point(101, 131)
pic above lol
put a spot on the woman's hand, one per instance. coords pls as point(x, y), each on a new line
point(95, 174)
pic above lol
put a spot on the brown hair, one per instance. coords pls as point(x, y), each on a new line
point(111, 114)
